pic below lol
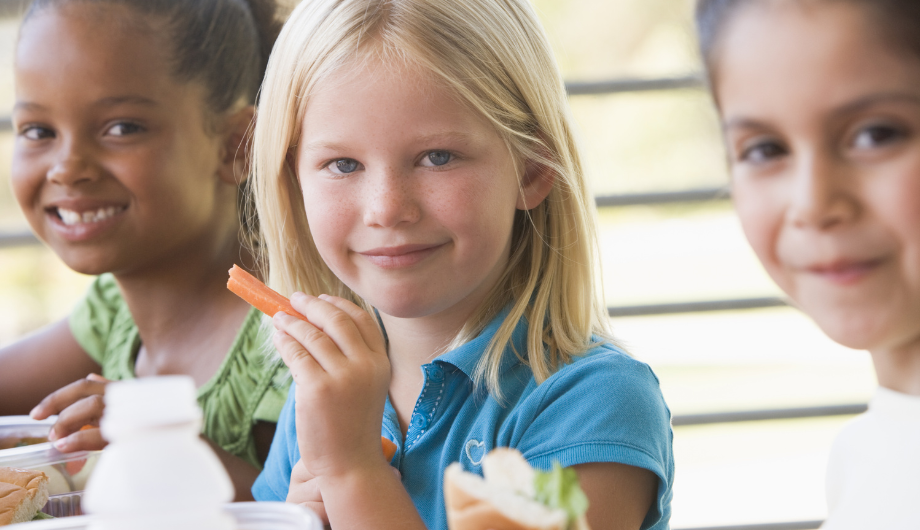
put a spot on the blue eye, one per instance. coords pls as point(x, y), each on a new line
point(344, 166)
point(438, 158)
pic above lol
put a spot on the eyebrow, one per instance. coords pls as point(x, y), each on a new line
point(428, 138)
point(126, 100)
point(849, 108)
point(112, 101)
point(874, 99)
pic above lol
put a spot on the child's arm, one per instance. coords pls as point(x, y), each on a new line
point(39, 364)
point(342, 373)
point(619, 495)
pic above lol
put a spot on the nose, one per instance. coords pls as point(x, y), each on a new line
point(822, 194)
point(72, 165)
point(390, 199)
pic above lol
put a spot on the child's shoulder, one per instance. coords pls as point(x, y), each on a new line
point(606, 378)
point(607, 363)
point(604, 406)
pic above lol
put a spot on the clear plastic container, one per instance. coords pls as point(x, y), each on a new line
point(67, 472)
point(64, 505)
point(248, 516)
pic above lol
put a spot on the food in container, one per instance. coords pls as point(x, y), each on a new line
point(23, 492)
point(247, 515)
point(67, 472)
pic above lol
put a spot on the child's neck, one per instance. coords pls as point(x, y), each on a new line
point(412, 343)
point(186, 318)
point(898, 369)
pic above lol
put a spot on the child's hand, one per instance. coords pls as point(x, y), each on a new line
point(340, 366)
point(304, 490)
point(79, 407)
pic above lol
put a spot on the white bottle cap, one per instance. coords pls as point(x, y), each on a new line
point(140, 404)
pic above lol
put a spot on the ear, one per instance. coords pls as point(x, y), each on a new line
point(237, 132)
point(536, 184)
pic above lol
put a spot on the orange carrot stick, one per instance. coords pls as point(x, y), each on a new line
point(389, 448)
point(269, 301)
point(263, 298)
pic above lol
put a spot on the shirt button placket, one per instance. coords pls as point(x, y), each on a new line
point(427, 404)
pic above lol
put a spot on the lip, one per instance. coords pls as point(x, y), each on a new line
point(845, 272)
point(400, 256)
point(83, 231)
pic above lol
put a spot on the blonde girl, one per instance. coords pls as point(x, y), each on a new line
point(820, 102)
point(416, 177)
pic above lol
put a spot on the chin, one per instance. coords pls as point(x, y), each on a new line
point(859, 332)
point(91, 264)
point(402, 306)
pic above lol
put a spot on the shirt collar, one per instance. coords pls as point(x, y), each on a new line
point(467, 356)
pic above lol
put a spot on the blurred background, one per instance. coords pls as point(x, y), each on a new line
point(649, 129)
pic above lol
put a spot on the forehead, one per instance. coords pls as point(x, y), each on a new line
point(374, 88)
point(82, 43)
point(827, 53)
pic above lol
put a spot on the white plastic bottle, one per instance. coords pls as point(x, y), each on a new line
point(156, 472)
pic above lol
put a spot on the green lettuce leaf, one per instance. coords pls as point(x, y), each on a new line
point(558, 488)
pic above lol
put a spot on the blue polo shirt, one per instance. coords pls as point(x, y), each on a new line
point(603, 407)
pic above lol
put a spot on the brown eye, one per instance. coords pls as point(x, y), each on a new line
point(876, 136)
point(123, 129)
point(762, 152)
point(34, 132)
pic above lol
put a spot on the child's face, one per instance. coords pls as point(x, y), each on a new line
point(410, 196)
point(112, 164)
point(822, 121)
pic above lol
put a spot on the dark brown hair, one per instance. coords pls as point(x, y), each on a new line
point(224, 44)
point(897, 21)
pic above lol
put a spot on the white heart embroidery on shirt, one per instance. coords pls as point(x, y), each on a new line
point(479, 448)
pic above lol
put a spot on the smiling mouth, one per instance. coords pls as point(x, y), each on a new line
point(400, 256)
point(71, 217)
point(846, 272)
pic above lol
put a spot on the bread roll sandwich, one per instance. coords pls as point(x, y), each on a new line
point(23, 493)
point(513, 496)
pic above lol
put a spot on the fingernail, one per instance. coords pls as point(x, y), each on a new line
point(324, 297)
point(52, 435)
point(298, 295)
point(34, 412)
point(61, 444)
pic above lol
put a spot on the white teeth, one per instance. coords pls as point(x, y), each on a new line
point(70, 217)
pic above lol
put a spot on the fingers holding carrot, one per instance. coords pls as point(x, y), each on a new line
point(327, 342)
point(340, 393)
point(79, 407)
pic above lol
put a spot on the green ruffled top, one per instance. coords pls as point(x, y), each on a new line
point(249, 386)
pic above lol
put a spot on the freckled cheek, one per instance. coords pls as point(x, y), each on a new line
point(330, 223)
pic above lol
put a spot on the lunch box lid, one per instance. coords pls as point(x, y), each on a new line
point(248, 515)
point(36, 455)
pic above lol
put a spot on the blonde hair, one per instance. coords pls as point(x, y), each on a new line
point(495, 56)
